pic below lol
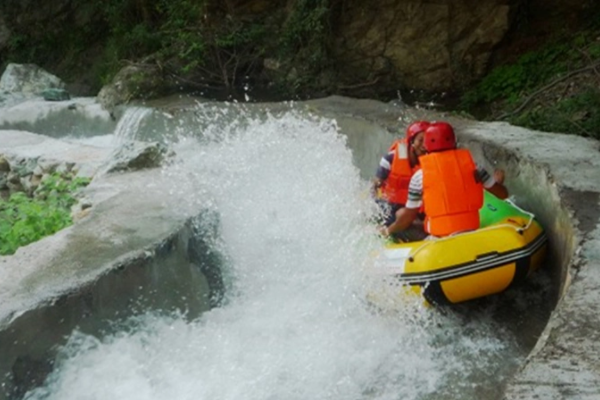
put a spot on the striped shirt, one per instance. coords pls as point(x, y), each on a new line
point(385, 166)
point(415, 188)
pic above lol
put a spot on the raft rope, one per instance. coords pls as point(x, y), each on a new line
point(531, 216)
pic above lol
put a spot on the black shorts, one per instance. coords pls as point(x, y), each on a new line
point(387, 216)
point(388, 211)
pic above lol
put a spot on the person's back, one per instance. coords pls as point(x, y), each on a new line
point(448, 187)
point(452, 195)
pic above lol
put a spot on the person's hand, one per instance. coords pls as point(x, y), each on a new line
point(499, 176)
point(375, 188)
point(383, 231)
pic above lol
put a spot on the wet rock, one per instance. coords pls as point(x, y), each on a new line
point(24, 167)
point(4, 165)
point(13, 178)
point(81, 209)
point(65, 167)
point(133, 82)
point(55, 95)
point(137, 155)
point(27, 185)
point(29, 373)
point(28, 78)
point(14, 187)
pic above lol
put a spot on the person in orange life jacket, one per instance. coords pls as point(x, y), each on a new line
point(449, 185)
point(395, 170)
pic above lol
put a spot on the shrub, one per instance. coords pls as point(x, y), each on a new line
point(24, 219)
point(579, 115)
point(511, 82)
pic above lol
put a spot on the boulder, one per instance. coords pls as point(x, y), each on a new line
point(137, 155)
point(28, 79)
point(136, 81)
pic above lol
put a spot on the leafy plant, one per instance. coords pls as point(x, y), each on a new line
point(180, 30)
point(206, 43)
point(579, 115)
point(304, 42)
point(24, 219)
point(306, 25)
point(510, 82)
point(545, 89)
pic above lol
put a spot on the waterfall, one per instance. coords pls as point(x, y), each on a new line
point(129, 124)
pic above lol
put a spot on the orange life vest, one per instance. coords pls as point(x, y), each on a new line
point(395, 187)
point(451, 195)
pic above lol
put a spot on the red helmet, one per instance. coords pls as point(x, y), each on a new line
point(415, 128)
point(439, 136)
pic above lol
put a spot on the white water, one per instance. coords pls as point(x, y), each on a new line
point(129, 124)
point(294, 224)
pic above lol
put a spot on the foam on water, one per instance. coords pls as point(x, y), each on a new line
point(294, 224)
point(130, 123)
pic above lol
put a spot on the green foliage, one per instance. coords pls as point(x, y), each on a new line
point(306, 25)
point(533, 89)
point(304, 41)
point(130, 35)
point(16, 42)
point(594, 50)
point(20, 49)
point(204, 41)
point(24, 220)
point(578, 115)
point(510, 82)
point(180, 14)
point(180, 30)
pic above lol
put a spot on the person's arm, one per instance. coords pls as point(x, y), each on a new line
point(406, 215)
point(404, 218)
point(493, 184)
point(382, 173)
point(499, 176)
point(498, 189)
point(376, 184)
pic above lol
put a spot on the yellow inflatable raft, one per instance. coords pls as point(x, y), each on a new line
point(509, 246)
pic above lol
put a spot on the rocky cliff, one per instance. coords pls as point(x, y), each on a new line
point(373, 48)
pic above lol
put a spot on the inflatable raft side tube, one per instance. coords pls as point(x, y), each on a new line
point(479, 264)
point(480, 280)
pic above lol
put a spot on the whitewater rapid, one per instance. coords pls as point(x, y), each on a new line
point(295, 231)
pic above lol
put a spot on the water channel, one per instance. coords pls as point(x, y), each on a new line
point(291, 227)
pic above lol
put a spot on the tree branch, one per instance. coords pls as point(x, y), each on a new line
point(358, 85)
point(548, 86)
